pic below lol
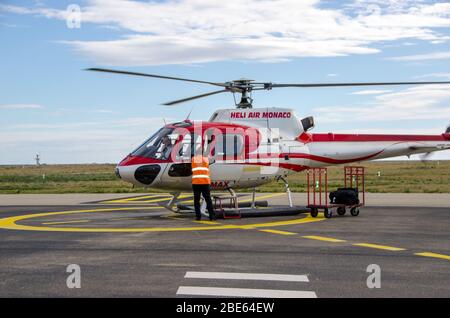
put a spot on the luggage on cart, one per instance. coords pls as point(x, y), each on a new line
point(351, 196)
point(347, 196)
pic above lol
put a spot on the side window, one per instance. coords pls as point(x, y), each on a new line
point(230, 146)
point(210, 139)
point(188, 145)
point(185, 149)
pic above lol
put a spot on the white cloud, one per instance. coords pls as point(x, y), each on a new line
point(198, 31)
point(371, 92)
point(390, 130)
point(434, 75)
point(150, 50)
point(46, 12)
point(13, 25)
point(21, 106)
point(421, 57)
point(414, 103)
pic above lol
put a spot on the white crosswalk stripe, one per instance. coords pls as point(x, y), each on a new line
point(245, 292)
point(248, 276)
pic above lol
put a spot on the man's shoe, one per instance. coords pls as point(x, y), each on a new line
point(212, 218)
point(198, 218)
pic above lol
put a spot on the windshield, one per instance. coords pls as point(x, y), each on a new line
point(158, 146)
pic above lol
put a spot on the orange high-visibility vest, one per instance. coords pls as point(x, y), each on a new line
point(200, 170)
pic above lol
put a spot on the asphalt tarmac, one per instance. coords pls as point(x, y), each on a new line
point(132, 247)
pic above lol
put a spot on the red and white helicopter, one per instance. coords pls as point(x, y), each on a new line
point(252, 146)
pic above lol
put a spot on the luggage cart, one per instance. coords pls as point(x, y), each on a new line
point(354, 177)
point(317, 189)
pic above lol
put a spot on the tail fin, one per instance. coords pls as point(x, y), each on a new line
point(448, 130)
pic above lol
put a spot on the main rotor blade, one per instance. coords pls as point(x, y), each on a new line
point(153, 75)
point(354, 84)
point(194, 97)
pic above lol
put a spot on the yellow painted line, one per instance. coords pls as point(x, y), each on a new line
point(278, 232)
point(380, 247)
point(435, 255)
point(165, 199)
point(323, 238)
point(10, 223)
point(142, 202)
point(66, 222)
point(207, 222)
point(146, 196)
point(132, 199)
point(307, 219)
point(135, 198)
point(119, 202)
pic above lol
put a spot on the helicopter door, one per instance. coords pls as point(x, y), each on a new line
point(227, 151)
point(180, 171)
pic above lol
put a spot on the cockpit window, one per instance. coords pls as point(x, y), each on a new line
point(158, 146)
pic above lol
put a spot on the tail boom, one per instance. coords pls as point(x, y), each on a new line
point(345, 148)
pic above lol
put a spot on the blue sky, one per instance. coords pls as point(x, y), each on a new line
point(48, 104)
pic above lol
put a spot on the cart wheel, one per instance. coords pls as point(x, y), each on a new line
point(354, 211)
point(314, 212)
point(327, 213)
point(340, 210)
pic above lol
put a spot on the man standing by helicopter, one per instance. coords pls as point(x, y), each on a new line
point(201, 184)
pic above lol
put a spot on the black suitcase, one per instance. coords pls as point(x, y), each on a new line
point(347, 196)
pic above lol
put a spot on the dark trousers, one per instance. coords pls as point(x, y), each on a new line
point(205, 191)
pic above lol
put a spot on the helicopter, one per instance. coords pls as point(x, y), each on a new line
point(250, 146)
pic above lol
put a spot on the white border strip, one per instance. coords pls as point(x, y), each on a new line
point(248, 276)
point(244, 292)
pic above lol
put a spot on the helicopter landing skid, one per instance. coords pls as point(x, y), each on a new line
point(171, 204)
point(278, 210)
point(257, 204)
point(229, 207)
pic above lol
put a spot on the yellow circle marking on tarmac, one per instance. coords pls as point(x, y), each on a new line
point(10, 223)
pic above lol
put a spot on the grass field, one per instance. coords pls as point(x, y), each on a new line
point(395, 176)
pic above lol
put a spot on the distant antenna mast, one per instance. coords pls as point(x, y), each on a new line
point(38, 159)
